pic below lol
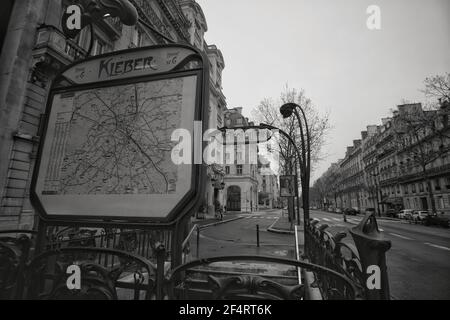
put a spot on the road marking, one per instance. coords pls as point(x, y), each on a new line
point(400, 236)
point(326, 219)
point(336, 219)
point(436, 246)
point(381, 229)
point(339, 225)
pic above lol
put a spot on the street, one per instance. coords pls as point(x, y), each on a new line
point(418, 261)
point(239, 237)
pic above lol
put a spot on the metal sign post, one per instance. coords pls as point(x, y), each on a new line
point(287, 190)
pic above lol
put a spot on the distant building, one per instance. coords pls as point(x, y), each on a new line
point(268, 189)
point(392, 168)
point(241, 176)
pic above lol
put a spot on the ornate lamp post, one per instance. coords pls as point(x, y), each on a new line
point(96, 10)
point(305, 156)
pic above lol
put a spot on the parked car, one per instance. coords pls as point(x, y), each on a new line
point(405, 214)
point(339, 210)
point(351, 211)
point(442, 220)
point(391, 213)
point(420, 216)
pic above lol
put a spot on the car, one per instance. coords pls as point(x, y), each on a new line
point(405, 214)
point(339, 210)
point(369, 210)
point(442, 220)
point(420, 216)
point(391, 213)
point(351, 211)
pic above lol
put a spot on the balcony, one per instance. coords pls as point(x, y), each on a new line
point(111, 26)
point(52, 46)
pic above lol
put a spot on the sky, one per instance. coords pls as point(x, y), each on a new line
point(355, 74)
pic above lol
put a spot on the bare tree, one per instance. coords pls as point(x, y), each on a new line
point(438, 87)
point(268, 111)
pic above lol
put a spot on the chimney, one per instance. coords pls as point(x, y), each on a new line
point(412, 108)
point(349, 150)
point(372, 130)
point(385, 121)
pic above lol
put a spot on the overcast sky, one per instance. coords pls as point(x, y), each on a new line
point(325, 47)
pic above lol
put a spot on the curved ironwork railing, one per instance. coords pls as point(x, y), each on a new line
point(351, 260)
point(14, 255)
point(248, 286)
point(129, 277)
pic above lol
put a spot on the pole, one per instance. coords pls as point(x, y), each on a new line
point(198, 241)
point(160, 259)
point(306, 159)
point(297, 194)
point(257, 235)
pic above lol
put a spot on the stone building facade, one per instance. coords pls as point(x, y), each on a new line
point(34, 50)
point(380, 171)
point(241, 176)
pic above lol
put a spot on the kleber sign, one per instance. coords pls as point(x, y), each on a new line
point(128, 65)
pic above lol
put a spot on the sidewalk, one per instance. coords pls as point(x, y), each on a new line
point(282, 226)
point(212, 221)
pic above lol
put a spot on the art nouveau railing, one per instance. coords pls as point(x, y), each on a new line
point(183, 282)
point(355, 261)
point(131, 265)
point(131, 277)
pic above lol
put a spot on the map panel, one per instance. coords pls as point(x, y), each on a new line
point(115, 140)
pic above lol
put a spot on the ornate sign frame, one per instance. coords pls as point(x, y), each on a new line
point(121, 68)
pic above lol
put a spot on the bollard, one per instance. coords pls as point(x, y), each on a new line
point(160, 259)
point(257, 235)
point(372, 249)
point(198, 242)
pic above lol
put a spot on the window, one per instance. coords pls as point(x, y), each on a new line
point(421, 187)
point(239, 170)
point(227, 169)
point(441, 203)
point(413, 188)
point(137, 37)
point(99, 47)
point(437, 184)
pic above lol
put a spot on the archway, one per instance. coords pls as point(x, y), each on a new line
point(234, 198)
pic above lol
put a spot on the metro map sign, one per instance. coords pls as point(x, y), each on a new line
point(106, 146)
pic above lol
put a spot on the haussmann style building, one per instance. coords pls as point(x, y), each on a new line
point(34, 50)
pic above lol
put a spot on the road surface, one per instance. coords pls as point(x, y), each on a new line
point(418, 261)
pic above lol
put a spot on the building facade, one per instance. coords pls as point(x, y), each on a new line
point(394, 167)
point(34, 50)
point(241, 174)
point(268, 189)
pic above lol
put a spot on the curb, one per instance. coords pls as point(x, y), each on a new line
point(220, 222)
point(280, 231)
point(387, 218)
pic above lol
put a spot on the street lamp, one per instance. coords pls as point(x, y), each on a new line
point(286, 111)
point(96, 10)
